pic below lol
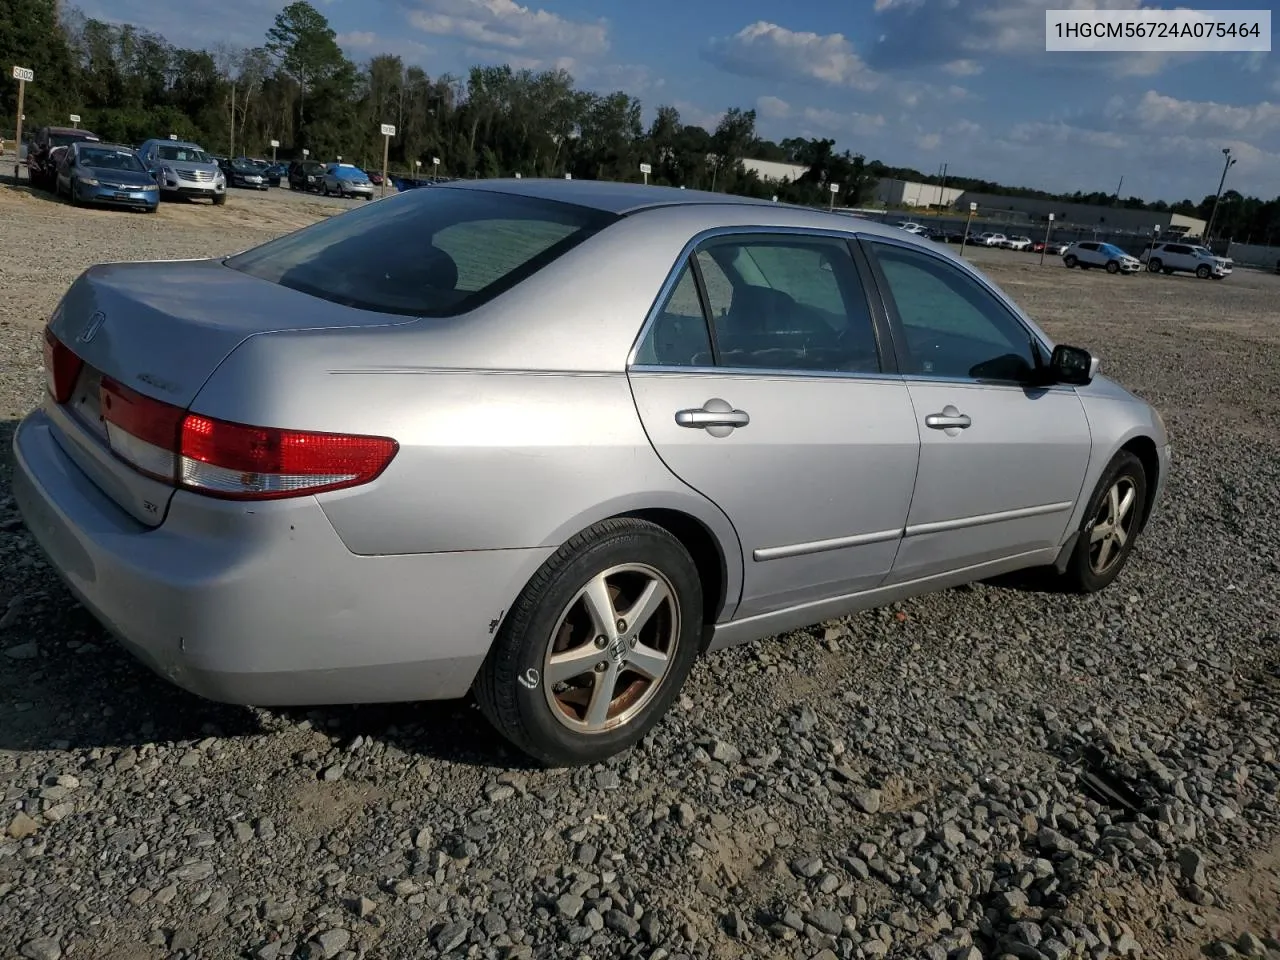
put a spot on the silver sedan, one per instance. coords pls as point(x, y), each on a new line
point(549, 441)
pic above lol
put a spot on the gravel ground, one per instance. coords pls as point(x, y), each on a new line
point(988, 772)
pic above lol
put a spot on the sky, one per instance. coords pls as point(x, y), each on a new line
point(915, 83)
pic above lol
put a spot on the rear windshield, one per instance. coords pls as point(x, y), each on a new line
point(426, 253)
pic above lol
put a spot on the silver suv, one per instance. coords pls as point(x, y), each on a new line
point(1170, 258)
point(184, 169)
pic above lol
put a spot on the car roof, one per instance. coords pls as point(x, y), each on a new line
point(692, 211)
point(99, 144)
point(87, 134)
point(605, 195)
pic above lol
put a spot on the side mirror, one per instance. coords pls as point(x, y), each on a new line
point(1073, 365)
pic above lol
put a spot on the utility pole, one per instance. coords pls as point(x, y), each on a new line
point(24, 76)
point(942, 188)
point(1208, 230)
point(1116, 199)
point(232, 152)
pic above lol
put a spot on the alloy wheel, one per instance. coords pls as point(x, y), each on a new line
point(1112, 525)
point(611, 649)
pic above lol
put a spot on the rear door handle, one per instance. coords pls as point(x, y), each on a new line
point(949, 419)
point(714, 413)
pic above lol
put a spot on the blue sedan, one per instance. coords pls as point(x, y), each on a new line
point(106, 173)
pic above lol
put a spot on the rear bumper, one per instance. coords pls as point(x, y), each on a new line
point(262, 603)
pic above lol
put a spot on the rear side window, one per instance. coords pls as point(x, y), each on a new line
point(434, 252)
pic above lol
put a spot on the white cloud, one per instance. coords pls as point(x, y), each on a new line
point(696, 115)
point(358, 40)
point(963, 68)
point(1158, 112)
point(508, 26)
point(929, 141)
point(772, 108)
point(853, 123)
point(766, 49)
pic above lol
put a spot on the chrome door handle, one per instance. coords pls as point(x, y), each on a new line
point(949, 419)
point(714, 413)
point(710, 418)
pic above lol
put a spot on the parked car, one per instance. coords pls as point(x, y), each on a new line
point(374, 177)
point(184, 169)
point(1017, 243)
point(90, 171)
point(306, 175)
point(198, 473)
point(1169, 258)
point(909, 226)
point(275, 172)
point(243, 173)
point(993, 239)
point(346, 180)
point(1091, 253)
point(45, 152)
point(1053, 248)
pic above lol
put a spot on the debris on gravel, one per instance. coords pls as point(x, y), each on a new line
point(991, 771)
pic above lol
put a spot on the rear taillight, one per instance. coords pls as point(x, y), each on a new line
point(233, 460)
point(61, 367)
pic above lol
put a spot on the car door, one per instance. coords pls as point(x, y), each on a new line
point(765, 382)
point(1002, 462)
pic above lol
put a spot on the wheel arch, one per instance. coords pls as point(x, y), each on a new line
point(1144, 448)
point(700, 527)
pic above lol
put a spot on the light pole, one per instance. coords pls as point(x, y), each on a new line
point(1208, 230)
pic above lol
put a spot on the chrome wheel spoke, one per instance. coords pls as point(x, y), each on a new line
point(1126, 503)
point(648, 662)
point(1113, 503)
point(595, 597)
point(1104, 554)
point(1118, 537)
point(572, 663)
point(1100, 531)
point(601, 697)
point(649, 602)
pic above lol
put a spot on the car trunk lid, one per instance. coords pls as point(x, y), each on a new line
point(161, 329)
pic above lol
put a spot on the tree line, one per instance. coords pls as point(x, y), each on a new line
point(298, 87)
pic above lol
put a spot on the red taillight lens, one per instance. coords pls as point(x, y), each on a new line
point(61, 367)
point(259, 463)
point(233, 460)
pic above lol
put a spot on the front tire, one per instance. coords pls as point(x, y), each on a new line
point(1113, 266)
point(1203, 272)
point(597, 646)
point(1111, 524)
point(219, 199)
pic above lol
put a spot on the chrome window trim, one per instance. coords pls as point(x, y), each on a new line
point(715, 233)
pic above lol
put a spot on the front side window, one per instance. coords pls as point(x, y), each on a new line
point(953, 326)
point(429, 253)
point(788, 303)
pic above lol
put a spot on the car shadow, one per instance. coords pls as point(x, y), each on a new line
point(65, 684)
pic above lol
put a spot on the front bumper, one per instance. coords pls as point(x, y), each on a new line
point(117, 196)
point(192, 188)
point(263, 603)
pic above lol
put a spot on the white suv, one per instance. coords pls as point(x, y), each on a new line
point(992, 239)
point(1167, 258)
point(1091, 253)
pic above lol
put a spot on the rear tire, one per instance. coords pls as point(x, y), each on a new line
point(1070, 261)
point(1117, 503)
point(614, 567)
